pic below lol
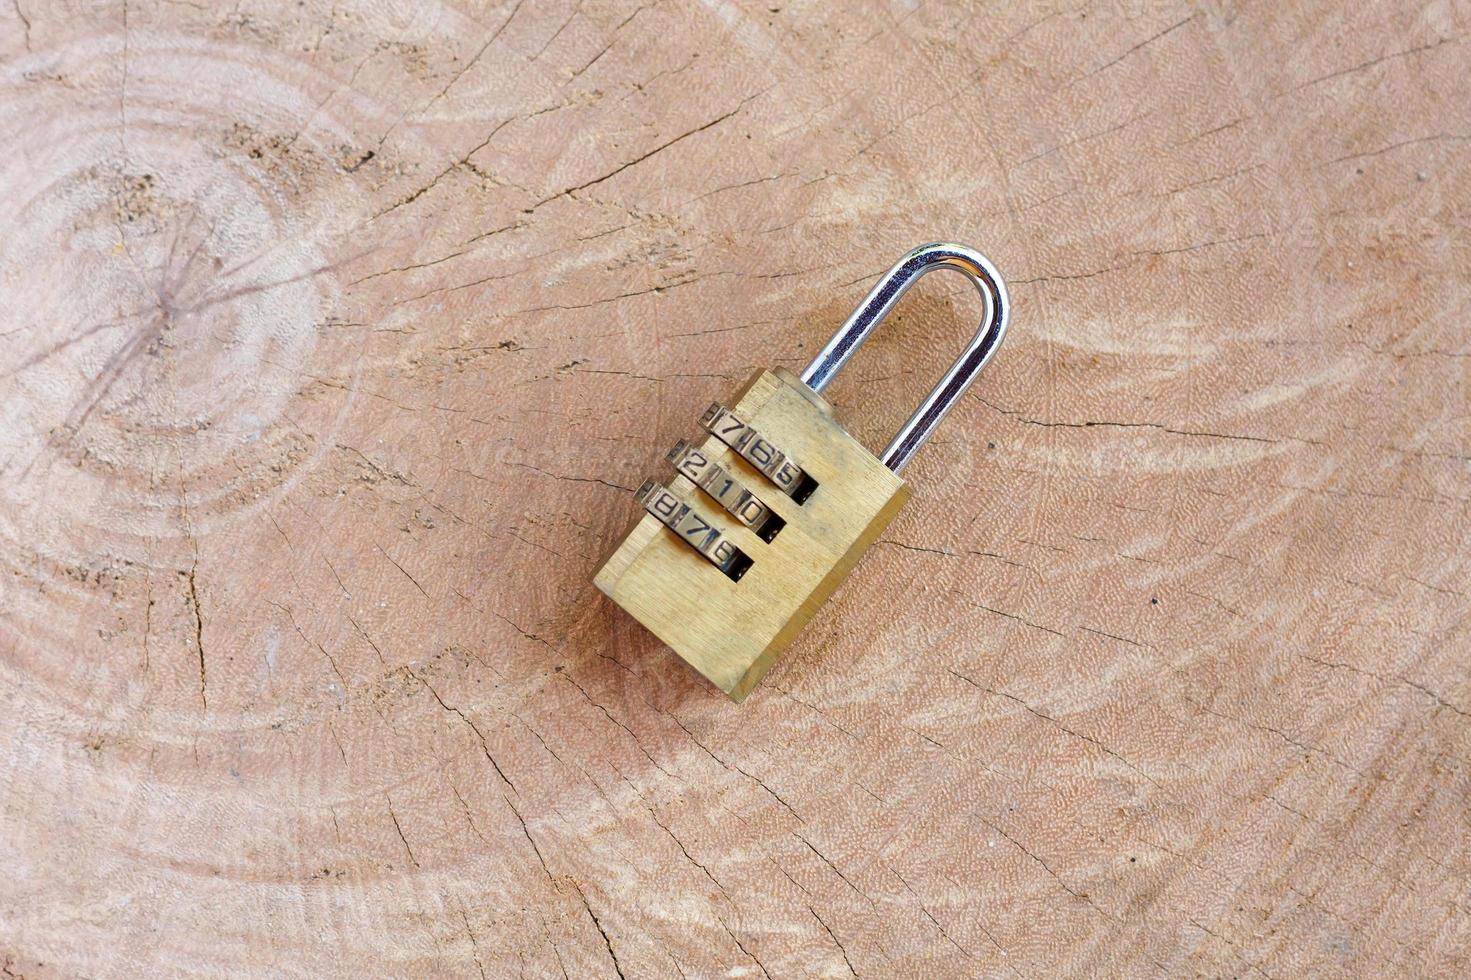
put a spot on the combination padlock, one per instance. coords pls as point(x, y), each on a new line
point(766, 517)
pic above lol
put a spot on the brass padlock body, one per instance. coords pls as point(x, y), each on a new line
point(733, 631)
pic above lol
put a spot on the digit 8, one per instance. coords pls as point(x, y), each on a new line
point(665, 504)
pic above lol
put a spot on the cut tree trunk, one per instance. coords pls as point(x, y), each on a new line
point(335, 337)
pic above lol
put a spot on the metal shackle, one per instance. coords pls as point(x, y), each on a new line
point(871, 312)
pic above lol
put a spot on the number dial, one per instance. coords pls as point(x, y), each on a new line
point(787, 475)
point(697, 532)
point(718, 482)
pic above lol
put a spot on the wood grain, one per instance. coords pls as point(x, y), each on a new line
point(335, 336)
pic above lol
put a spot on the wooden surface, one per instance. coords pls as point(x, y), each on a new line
point(335, 336)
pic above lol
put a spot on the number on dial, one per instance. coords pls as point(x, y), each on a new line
point(718, 482)
point(760, 453)
point(697, 532)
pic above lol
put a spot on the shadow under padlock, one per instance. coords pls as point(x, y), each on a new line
point(768, 515)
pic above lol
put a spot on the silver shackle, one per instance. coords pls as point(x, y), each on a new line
point(871, 312)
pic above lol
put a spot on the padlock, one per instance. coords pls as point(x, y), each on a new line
point(766, 517)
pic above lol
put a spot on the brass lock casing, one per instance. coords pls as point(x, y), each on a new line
point(732, 631)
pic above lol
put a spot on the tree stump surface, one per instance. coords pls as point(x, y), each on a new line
point(335, 336)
